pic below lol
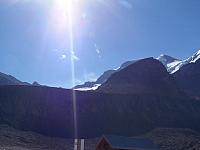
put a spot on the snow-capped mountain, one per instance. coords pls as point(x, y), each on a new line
point(176, 66)
point(172, 65)
point(165, 59)
point(169, 62)
point(146, 76)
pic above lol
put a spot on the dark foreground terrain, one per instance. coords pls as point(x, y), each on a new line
point(175, 139)
point(49, 111)
point(166, 138)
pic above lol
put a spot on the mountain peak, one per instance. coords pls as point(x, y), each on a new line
point(6, 79)
point(166, 59)
point(171, 64)
point(164, 55)
point(146, 76)
point(195, 57)
point(35, 83)
point(176, 66)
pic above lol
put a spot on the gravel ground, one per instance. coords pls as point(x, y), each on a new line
point(175, 139)
point(166, 138)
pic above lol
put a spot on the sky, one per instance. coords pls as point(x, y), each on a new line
point(35, 36)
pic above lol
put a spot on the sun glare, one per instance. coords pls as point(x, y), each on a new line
point(70, 24)
point(62, 15)
point(65, 19)
point(59, 15)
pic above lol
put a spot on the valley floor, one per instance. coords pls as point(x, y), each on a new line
point(167, 139)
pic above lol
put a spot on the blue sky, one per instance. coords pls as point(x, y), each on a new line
point(35, 44)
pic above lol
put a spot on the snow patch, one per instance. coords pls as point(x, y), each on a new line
point(95, 87)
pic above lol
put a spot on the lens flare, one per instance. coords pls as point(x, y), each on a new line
point(63, 14)
point(71, 37)
point(62, 21)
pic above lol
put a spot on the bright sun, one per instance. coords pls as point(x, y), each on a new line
point(63, 15)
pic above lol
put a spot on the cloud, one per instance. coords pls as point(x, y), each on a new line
point(98, 51)
point(126, 4)
point(74, 57)
point(63, 56)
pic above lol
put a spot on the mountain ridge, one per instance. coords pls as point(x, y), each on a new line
point(6, 79)
point(10, 80)
point(144, 76)
point(172, 65)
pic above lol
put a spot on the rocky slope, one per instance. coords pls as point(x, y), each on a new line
point(188, 78)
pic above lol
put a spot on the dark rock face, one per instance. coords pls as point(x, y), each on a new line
point(37, 109)
point(49, 111)
point(188, 78)
point(147, 76)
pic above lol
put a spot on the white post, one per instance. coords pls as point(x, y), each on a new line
point(82, 144)
point(75, 144)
